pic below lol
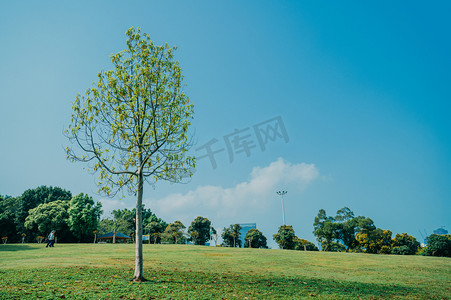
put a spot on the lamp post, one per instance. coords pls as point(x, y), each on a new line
point(281, 193)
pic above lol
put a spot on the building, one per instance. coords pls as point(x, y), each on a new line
point(110, 237)
point(245, 227)
point(441, 231)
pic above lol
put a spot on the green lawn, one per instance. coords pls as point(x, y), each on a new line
point(103, 271)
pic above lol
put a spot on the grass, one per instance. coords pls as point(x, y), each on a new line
point(103, 271)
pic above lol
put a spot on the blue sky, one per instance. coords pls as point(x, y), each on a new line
point(362, 90)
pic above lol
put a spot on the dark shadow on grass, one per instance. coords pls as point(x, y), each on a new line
point(284, 287)
point(16, 247)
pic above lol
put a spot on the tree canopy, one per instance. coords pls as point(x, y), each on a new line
point(48, 216)
point(285, 237)
point(255, 239)
point(438, 245)
point(175, 233)
point(31, 198)
point(84, 216)
point(405, 244)
point(231, 236)
point(199, 230)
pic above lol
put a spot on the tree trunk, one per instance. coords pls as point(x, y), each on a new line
point(139, 275)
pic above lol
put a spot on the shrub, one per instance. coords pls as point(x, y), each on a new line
point(405, 244)
point(438, 245)
point(401, 250)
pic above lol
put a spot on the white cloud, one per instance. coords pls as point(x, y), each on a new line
point(255, 194)
point(108, 205)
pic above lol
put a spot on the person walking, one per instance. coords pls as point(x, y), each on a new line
point(51, 239)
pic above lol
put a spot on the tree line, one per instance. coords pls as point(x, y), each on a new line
point(350, 233)
point(36, 212)
point(32, 215)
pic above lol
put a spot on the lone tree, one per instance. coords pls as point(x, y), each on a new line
point(132, 125)
point(199, 230)
point(255, 239)
point(285, 237)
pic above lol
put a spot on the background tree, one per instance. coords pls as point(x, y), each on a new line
point(151, 217)
point(375, 241)
point(231, 236)
point(8, 211)
point(438, 245)
point(325, 230)
point(347, 227)
point(227, 237)
point(255, 239)
point(199, 230)
point(405, 244)
point(105, 226)
point(124, 220)
point(175, 233)
point(304, 245)
point(285, 237)
point(32, 198)
point(155, 229)
point(50, 216)
point(133, 124)
point(84, 217)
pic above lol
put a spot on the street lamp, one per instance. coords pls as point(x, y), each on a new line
point(281, 193)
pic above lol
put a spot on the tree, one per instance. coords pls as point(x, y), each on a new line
point(438, 245)
point(231, 236)
point(8, 210)
point(344, 214)
point(255, 239)
point(304, 245)
point(365, 225)
point(174, 233)
point(155, 230)
point(124, 220)
point(132, 126)
point(375, 241)
point(49, 216)
point(325, 230)
point(347, 227)
point(32, 198)
point(405, 244)
point(285, 237)
point(199, 230)
point(105, 226)
point(84, 216)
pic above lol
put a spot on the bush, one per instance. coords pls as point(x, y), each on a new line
point(438, 245)
point(401, 250)
point(405, 244)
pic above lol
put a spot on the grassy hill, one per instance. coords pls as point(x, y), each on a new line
point(98, 271)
